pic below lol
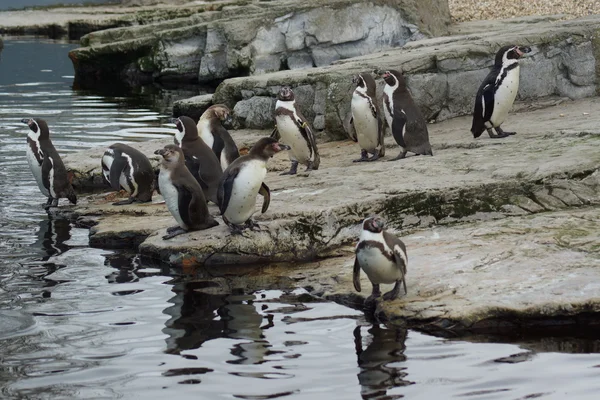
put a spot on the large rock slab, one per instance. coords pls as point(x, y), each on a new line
point(241, 38)
point(551, 164)
point(518, 273)
point(443, 73)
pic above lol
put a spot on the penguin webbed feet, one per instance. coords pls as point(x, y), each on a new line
point(375, 294)
point(293, 169)
point(174, 231)
point(364, 156)
point(393, 294)
point(52, 202)
point(499, 133)
point(124, 202)
point(400, 156)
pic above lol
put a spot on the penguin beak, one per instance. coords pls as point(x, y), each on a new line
point(522, 50)
point(173, 120)
point(378, 223)
point(160, 152)
point(26, 120)
point(280, 147)
point(228, 120)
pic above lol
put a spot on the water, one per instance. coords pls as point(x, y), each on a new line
point(86, 323)
point(20, 4)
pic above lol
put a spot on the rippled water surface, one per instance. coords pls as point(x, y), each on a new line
point(82, 323)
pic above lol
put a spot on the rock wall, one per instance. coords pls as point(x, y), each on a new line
point(442, 73)
point(249, 38)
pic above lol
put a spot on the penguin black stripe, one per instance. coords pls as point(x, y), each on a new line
point(377, 245)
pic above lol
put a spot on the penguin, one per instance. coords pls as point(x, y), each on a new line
point(295, 132)
point(242, 181)
point(404, 118)
point(199, 158)
point(383, 258)
point(128, 168)
point(497, 93)
point(46, 165)
point(182, 193)
point(366, 118)
point(211, 130)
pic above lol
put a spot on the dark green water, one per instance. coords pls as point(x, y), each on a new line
point(82, 323)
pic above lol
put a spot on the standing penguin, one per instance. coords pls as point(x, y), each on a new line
point(182, 193)
point(404, 118)
point(46, 165)
point(497, 93)
point(128, 168)
point(295, 132)
point(211, 130)
point(199, 158)
point(242, 181)
point(383, 258)
point(366, 118)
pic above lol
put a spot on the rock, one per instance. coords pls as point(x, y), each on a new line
point(256, 112)
point(538, 170)
point(254, 38)
point(444, 73)
point(193, 107)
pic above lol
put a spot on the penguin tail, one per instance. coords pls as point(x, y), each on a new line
point(477, 128)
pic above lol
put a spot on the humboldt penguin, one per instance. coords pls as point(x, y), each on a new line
point(182, 193)
point(211, 130)
point(403, 117)
point(46, 165)
point(242, 181)
point(295, 132)
point(383, 258)
point(199, 158)
point(128, 168)
point(366, 118)
point(497, 93)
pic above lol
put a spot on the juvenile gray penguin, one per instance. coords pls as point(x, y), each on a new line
point(199, 158)
point(366, 118)
point(383, 258)
point(404, 118)
point(128, 168)
point(295, 132)
point(182, 193)
point(211, 130)
point(242, 181)
point(46, 165)
point(497, 93)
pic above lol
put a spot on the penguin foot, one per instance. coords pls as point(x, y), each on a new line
point(375, 157)
point(375, 294)
point(499, 131)
point(364, 156)
point(400, 156)
point(124, 202)
point(293, 169)
point(174, 231)
point(253, 226)
point(393, 294)
point(51, 203)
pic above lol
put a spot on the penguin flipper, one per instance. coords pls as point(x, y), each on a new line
point(275, 134)
point(226, 188)
point(309, 136)
point(380, 134)
point(399, 126)
point(47, 166)
point(356, 275)
point(118, 165)
point(193, 166)
point(349, 127)
point(229, 147)
point(185, 203)
point(266, 193)
point(484, 103)
point(218, 143)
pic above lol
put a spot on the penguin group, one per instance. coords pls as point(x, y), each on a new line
point(204, 164)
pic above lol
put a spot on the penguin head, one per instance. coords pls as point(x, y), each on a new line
point(219, 111)
point(374, 224)
point(285, 94)
point(171, 154)
point(267, 147)
point(38, 128)
point(394, 78)
point(510, 54)
point(186, 129)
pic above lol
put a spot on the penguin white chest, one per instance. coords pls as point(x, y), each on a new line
point(36, 169)
point(171, 195)
point(365, 123)
point(205, 133)
point(291, 135)
point(244, 191)
point(505, 96)
point(378, 267)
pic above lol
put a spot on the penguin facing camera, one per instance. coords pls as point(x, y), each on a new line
point(46, 165)
point(295, 132)
point(382, 256)
point(366, 118)
point(199, 158)
point(242, 181)
point(182, 193)
point(211, 130)
point(404, 118)
point(128, 168)
point(497, 93)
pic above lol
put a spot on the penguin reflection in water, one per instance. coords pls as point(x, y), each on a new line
point(404, 118)
point(128, 168)
point(497, 93)
point(46, 165)
point(383, 258)
point(182, 193)
point(294, 130)
point(366, 118)
point(242, 181)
